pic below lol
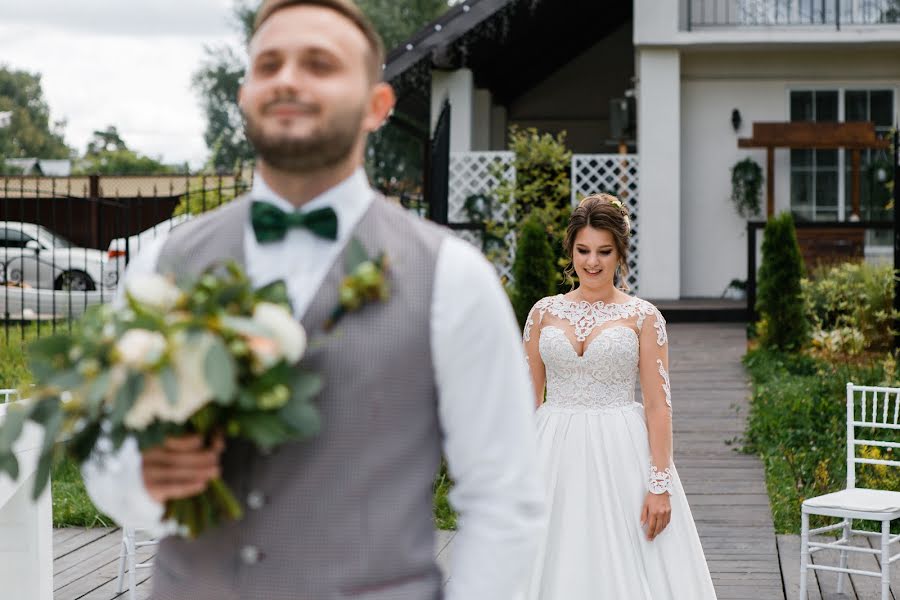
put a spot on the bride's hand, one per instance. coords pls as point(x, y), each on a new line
point(656, 513)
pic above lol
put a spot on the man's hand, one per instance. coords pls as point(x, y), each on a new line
point(656, 514)
point(181, 467)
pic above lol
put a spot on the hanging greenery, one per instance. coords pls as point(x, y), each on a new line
point(746, 187)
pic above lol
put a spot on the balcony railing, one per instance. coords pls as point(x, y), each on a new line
point(785, 13)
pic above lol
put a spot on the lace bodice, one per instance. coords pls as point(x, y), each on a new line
point(603, 377)
point(592, 356)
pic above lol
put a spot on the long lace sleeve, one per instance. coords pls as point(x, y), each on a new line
point(531, 337)
point(657, 392)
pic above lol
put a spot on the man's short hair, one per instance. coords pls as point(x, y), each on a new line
point(347, 9)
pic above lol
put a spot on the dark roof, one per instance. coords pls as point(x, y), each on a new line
point(510, 45)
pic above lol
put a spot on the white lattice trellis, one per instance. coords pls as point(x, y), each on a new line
point(479, 173)
point(615, 174)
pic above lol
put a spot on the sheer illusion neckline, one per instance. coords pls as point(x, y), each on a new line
point(597, 304)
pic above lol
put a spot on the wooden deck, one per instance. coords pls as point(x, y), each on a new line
point(822, 585)
point(726, 489)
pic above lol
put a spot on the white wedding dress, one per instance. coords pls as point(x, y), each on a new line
point(595, 455)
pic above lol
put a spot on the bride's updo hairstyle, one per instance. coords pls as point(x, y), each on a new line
point(600, 211)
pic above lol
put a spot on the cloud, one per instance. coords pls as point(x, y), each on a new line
point(141, 85)
point(120, 17)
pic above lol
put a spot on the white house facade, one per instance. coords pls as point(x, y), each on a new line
point(691, 65)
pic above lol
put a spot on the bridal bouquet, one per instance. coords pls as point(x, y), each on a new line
point(212, 357)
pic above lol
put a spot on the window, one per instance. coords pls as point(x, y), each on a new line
point(821, 179)
point(13, 238)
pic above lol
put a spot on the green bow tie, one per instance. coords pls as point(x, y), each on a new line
point(270, 223)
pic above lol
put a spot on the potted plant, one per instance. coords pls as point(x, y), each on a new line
point(746, 187)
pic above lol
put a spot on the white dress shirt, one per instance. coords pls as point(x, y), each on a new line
point(484, 396)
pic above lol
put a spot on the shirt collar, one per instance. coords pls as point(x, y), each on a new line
point(349, 199)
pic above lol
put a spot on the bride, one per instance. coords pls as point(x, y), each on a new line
point(620, 525)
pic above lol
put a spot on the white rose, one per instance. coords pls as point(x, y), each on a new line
point(265, 351)
point(284, 329)
point(188, 360)
point(140, 348)
point(149, 404)
point(154, 290)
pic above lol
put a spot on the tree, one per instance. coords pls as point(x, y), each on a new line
point(107, 154)
point(29, 133)
point(218, 79)
point(783, 323)
point(534, 268)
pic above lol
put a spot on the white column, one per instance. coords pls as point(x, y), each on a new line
point(458, 87)
point(659, 147)
point(481, 120)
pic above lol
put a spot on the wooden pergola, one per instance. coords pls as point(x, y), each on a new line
point(806, 135)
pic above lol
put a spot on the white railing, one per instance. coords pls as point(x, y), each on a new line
point(615, 174)
point(26, 527)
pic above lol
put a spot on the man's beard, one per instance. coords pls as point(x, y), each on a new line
point(324, 148)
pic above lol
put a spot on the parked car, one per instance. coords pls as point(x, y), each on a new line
point(122, 250)
point(33, 256)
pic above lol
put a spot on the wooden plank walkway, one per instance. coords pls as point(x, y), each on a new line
point(822, 585)
point(726, 489)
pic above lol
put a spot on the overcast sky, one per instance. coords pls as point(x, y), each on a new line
point(123, 63)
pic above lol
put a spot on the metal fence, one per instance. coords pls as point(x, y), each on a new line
point(780, 13)
point(65, 241)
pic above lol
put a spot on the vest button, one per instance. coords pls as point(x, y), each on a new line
point(250, 555)
point(256, 500)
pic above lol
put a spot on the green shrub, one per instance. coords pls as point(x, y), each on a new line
point(797, 425)
point(851, 308)
point(779, 301)
point(542, 188)
point(534, 268)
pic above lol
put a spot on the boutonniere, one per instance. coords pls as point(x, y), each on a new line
point(366, 281)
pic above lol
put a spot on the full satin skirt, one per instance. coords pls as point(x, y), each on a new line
point(595, 465)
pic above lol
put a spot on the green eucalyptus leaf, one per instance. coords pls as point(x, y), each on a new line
point(82, 442)
point(303, 417)
point(220, 371)
point(11, 428)
point(356, 255)
point(42, 475)
point(169, 384)
point(44, 409)
point(9, 464)
point(51, 431)
point(265, 430)
point(306, 385)
point(96, 393)
point(118, 436)
point(67, 379)
point(246, 399)
point(274, 292)
point(244, 326)
point(125, 397)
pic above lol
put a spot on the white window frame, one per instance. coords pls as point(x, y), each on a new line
point(841, 90)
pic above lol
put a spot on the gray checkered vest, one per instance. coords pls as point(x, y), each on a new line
point(347, 514)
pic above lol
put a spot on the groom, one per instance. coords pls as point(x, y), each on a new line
point(436, 367)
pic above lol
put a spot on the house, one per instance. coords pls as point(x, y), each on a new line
point(42, 166)
point(701, 72)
